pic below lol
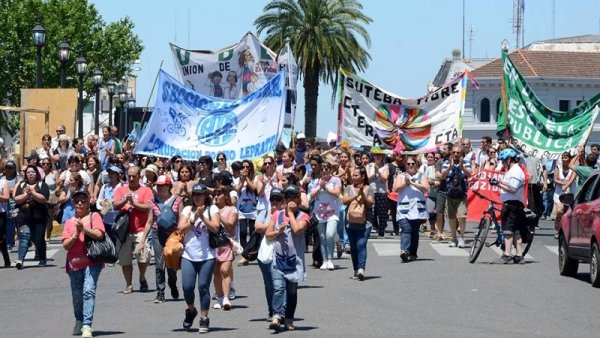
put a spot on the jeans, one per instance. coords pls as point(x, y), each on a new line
point(31, 231)
point(326, 232)
point(246, 229)
point(83, 291)
point(3, 247)
point(393, 207)
point(341, 228)
point(203, 271)
point(358, 246)
point(158, 243)
point(10, 232)
point(285, 296)
point(265, 270)
point(548, 197)
point(409, 239)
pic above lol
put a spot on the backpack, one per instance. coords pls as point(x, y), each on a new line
point(356, 213)
point(456, 183)
point(167, 217)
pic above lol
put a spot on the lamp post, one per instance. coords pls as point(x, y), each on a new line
point(97, 81)
point(38, 34)
point(64, 52)
point(81, 65)
point(111, 88)
point(122, 101)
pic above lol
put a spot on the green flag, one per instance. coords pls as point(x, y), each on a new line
point(535, 129)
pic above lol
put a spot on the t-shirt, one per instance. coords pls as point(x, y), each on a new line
point(77, 258)
point(514, 177)
point(65, 176)
point(289, 244)
point(583, 172)
point(3, 205)
point(32, 210)
point(195, 242)
point(247, 203)
point(327, 206)
point(137, 218)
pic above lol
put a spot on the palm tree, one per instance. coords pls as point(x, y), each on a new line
point(323, 36)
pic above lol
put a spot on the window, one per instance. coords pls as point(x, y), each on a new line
point(563, 105)
point(498, 103)
point(587, 190)
point(484, 110)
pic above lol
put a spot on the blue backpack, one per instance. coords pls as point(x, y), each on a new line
point(456, 183)
point(167, 218)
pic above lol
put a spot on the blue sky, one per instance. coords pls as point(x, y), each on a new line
point(409, 39)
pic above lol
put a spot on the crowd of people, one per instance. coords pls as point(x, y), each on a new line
point(331, 196)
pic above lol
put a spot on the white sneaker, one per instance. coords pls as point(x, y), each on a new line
point(324, 266)
point(219, 304)
point(330, 265)
point(461, 242)
point(453, 243)
point(86, 331)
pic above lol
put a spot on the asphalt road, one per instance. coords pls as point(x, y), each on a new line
point(440, 294)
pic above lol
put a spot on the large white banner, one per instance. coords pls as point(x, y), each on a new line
point(191, 124)
point(236, 71)
point(370, 115)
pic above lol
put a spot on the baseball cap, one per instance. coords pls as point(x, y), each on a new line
point(83, 192)
point(199, 188)
point(276, 192)
point(300, 135)
point(225, 177)
point(115, 169)
point(10, 164)
point(163, 180)
point(291, 191)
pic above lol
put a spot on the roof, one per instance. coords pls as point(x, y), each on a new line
point(546, 64)
point(590, 38)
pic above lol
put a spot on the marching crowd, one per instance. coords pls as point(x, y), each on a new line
point(332, 196)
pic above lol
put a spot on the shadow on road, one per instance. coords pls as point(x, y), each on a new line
point(107, 333)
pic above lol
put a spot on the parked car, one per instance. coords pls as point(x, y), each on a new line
point(579, 231)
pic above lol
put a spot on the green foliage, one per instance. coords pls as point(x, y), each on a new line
point(324, 35)
point(110, 47)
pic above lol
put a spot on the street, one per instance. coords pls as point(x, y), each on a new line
point(440, 294)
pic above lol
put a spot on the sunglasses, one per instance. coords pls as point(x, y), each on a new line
point(456, 152)
point(178, 161)
point(46, 163)
point(221, 159)
point(410, 164)
point(82, 201)
point(268, 163)
point(60, 131)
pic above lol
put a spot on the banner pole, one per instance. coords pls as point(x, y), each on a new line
point(504, 103)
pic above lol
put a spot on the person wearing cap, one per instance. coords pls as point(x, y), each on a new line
point(106, 147)
point(150, 175)
point(224, 178)
point(61, 153)
point(279, 150)
point(160, 232)
point(4, 198)
point(135, 199)
point(11, 174)
point(261, 226)
point(105, 197)
point(286, 229)
point(31, 196)
point(198, 258)
point(83, 273)
point(223, 276)
point(300, 148)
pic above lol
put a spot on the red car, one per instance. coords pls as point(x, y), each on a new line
point(580, 230)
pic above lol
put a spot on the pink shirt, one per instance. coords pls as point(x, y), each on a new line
point(137, 218)
point(77, 256)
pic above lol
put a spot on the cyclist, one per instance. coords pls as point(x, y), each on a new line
point(513, 216)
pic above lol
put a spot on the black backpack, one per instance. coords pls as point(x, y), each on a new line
point(456, 183)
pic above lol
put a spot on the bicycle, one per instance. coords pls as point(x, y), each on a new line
point(489, 220)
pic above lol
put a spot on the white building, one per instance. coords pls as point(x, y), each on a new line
point(562, 72)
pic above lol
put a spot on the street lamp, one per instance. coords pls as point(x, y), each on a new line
point(38, 34)
point(97, 81)
point(81, 66)
point(111, 88)
point(64, 52)
point(122, 102)
point(130, 102)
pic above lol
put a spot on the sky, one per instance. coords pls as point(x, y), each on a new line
point(409, 39)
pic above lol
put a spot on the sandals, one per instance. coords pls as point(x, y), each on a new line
point(128, 290)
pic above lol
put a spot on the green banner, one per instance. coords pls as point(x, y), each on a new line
point(535, 129)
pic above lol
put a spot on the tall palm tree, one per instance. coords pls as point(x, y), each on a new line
point(324, 36)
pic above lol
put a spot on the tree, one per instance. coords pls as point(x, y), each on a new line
point(324, 36)
point(110, 47)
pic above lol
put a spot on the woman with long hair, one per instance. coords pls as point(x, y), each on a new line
point(4, 198)
point(31, 196)
point(11, 175)
point(223, 275)
point(83, 273)
point(185, 180)
point(51, 177)
point(198, 258)
point(65, 200)
point(565, 181)
point(287, 163)
point(358, 195)
point(246, 204)
point(221, 163)
point(264, 182)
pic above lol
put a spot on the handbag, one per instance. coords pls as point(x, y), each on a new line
point(121, 226)
point(100, 250)
point(356, 212)
point(173, 250)
point(265, 251)
point(312, 222)
point(219, 238)
point(250, 252)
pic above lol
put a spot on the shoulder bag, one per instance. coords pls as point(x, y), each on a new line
point(219, 238)
point(100, 250)
point(121, 226)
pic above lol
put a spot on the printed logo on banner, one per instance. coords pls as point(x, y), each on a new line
point(217, 129)
point(402, 128)
point(178, 124)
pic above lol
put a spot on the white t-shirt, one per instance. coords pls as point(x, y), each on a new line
point(65, 176)
point(327, 206)
point(195, 242)
point(515, 178)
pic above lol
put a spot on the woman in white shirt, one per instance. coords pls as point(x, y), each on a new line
point(198, 258)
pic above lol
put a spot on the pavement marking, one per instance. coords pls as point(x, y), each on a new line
point(31, 254)
point(387, 248)
point(444, 250)
point(499, 252)
point(552, 248)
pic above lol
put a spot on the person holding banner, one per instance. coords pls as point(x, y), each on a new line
point(513, 215)
point(564, 183)
point(412, 210)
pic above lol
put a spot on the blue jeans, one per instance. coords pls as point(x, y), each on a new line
point(326, 232)
point(10, 232)
point(83, 291)
point(203, 272)
point(265, 270)
point(409, 239)
point(28, 232)
point(548, 197)
point(341, 228)
point(285, 296)
point(358, 246)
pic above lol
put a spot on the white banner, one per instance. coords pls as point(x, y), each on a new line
point(190, 124)
point(373, 116)
point(236, 71)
